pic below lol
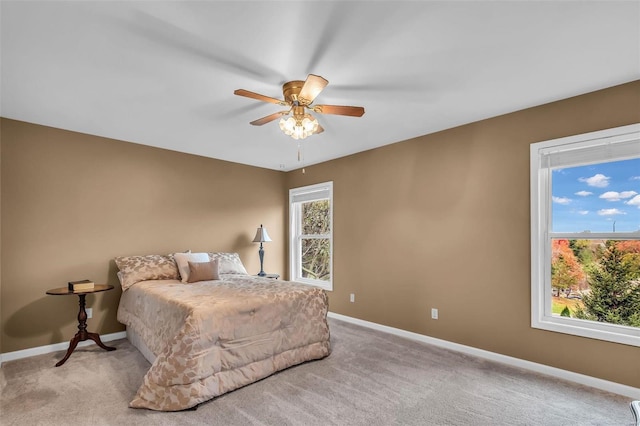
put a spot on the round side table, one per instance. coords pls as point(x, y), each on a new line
point(82, 333)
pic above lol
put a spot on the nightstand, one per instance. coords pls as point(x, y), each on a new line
point(272, 276)
point(82, 333)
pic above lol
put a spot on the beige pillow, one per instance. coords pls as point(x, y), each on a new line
point(203, 271)
point(228, 263)
point(183, 259)
point(141, 268)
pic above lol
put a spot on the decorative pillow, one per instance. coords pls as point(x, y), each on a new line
point(183, 259)
point(134, 269)
point(203, 271)
point(229, 263)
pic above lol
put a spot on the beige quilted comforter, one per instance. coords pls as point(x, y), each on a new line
point(211, 337)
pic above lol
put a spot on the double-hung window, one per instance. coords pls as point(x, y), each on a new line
point(585, 235)
point(310, 230)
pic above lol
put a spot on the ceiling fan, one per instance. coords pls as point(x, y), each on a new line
point(299, 96)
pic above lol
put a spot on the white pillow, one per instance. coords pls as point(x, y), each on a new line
point(183, 259)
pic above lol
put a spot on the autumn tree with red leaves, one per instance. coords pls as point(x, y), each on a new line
point(566, 270)
point(630, 251)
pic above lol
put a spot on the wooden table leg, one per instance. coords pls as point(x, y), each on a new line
point(96, 338)
point(82, 333)
point(72, 347)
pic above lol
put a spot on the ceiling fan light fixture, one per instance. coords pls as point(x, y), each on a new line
point(299, 128)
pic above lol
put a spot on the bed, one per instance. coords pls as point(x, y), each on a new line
point(210, 336)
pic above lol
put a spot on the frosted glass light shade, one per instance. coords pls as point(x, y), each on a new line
point(299, 128)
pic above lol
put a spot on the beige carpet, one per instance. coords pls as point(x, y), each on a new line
point(371, 378)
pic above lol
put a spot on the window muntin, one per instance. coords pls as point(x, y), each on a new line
point(585, 200)
point(311, 239)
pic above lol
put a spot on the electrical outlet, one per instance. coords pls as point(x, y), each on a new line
point(89, 312)
point(434, 313)
point(352, 298)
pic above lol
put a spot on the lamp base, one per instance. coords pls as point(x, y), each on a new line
point(261, 254)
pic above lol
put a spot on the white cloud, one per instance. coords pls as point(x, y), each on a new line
point(584, 193)
point(583, 212)
point(561, 200)
point(635, 201)
point(598, 180)
point(610, 212)
point(617, 196)
point(634, 178)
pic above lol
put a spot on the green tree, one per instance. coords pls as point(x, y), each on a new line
point(615, 290)
point(583, 251)
point(561, 276)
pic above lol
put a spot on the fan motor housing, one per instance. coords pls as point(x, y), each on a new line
point(291, 90)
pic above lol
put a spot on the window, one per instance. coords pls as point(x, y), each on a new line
point(310, 230)
point(585, 235)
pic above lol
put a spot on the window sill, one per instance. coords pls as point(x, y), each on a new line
point(590, 329)
point(317, 283)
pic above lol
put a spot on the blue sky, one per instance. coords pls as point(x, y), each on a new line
point(593, 197)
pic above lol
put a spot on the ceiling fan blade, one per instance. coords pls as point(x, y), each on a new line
point(269, 118)
point(320, 129)
point(351, 111)
point(263, 98)
point(160, 31)
point(311, 88)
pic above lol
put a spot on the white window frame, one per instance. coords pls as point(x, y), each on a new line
point(317, 192)
point(590, 148)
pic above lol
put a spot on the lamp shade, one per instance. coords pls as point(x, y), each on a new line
point(261, 235)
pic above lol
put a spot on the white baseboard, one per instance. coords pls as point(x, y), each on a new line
point(62, 346)
point(582, 379)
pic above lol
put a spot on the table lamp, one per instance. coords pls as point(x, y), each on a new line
point(261, 236)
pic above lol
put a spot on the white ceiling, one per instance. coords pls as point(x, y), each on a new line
point(163, 73)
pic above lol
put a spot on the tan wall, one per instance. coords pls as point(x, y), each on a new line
point(442, 221)
point(438, 221)
point(2, 380)
point(72, 202)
